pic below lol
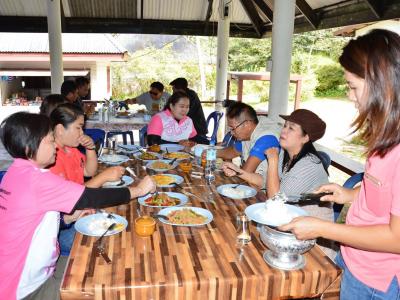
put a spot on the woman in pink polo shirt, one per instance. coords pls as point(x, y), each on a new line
point(370, 251)
point(172, 125)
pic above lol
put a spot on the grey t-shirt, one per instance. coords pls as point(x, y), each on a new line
point(153, 106)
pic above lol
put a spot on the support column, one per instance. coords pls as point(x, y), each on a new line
point(99, 81)
point(282, 35)
point(55, 45)
point(222, 51)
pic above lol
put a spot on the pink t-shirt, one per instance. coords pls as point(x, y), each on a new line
point(164, 125)
point(30, 201)
point(379, 198)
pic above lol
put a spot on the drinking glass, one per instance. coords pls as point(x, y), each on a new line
point(243, 228)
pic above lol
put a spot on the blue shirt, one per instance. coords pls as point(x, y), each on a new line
point(263, 143)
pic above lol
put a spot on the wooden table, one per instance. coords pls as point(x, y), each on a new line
point(191, 263)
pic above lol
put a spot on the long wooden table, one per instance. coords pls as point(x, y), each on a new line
point(191, 263)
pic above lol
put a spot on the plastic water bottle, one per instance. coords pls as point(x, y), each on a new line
point(211, 156)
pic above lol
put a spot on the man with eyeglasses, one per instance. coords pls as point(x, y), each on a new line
point(253, 136)
point(154, 99)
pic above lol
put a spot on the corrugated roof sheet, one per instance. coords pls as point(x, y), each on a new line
point(71, 43)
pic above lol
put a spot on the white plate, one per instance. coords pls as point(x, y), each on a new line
point(149, 165)
point(137, 156)
point(256, 212)
point(171, 147)
point(129, 148)
point(246, 190)
point(87, 225)
point(127, 179)
point(183, 199)
point(178, 180)
point(113, 159)
point(201, 211)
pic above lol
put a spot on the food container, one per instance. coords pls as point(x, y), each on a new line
point(145, 226)
point(185, 166)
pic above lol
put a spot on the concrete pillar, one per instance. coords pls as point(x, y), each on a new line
point(55, 45)
point(222, 50)
point(282, 35)
point(98, 81)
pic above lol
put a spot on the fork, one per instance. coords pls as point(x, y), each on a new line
point(235, 186)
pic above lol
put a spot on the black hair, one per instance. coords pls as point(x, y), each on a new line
point(179, 83)
point(238, 109)
point(50, 103)
point(68, 86)
point(175, 97)
point(158, 86)
point(65, 114)
point(22, 133)
point(307, 149)
point(81, 81)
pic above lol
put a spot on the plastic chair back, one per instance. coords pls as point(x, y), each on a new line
point(228, 140)
point(98, 135)
point(124, 134)
point(325, 159)
point(216, 117)
point(2, 173)
point(349, 183)
point(142, 136)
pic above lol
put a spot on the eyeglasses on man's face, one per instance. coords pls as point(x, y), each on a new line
point(236, 127)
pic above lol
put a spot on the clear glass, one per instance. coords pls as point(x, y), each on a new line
point(111, 144)
point(243, 229)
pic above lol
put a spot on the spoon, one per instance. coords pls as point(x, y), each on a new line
point(121, 183)
point(158, 216)
point(111, 227)
point(172, 161)
point(130, 171)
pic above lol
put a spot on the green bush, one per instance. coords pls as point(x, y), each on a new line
point(330, 81)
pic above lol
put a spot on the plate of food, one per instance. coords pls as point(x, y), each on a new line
point(178, 155)
point(113, 159)
point(171, 147)
point(235, 191)
point(162, 165)
point(162, 199)
point(129, 148)
point(186, 216)
point(273, 212)
point(125, 181)
point(167, 180)
point(124, 115)
point(147, 156)
point(97, 224)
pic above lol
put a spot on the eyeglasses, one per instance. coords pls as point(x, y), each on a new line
point(236, 127)
point(153, 93)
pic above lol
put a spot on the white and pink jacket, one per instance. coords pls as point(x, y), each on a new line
point(164, 125)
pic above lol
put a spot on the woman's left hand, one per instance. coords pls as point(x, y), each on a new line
point(304, 228)
point(68, 219)
point(87, 142)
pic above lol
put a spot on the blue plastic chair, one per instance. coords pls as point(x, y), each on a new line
point(142, 136)
point(216, 117)
point(2, 173)
point(325, 158)
point(228, 140)
point(350, 183)
point(125, 135)
point(98, 135)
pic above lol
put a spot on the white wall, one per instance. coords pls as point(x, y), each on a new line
point(98, 81)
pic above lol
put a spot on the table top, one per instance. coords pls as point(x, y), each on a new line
point(115, 123)
point(190, 263)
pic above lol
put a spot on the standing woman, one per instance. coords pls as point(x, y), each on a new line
point(172, 125)
point(370, 251)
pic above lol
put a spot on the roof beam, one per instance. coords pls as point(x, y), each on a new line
point(252, 13)
point(208, 16)
point(265, 9)
point(308, 13)
point(376, 6)
point(104, 25)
